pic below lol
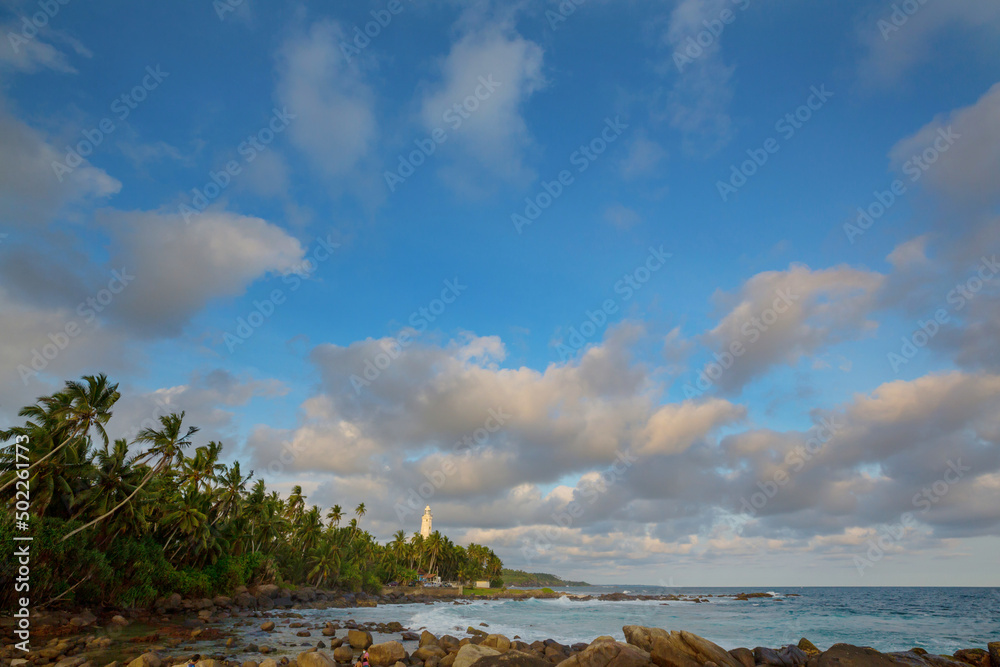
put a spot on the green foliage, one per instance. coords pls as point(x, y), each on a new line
point(127, 523)
point(496, 583)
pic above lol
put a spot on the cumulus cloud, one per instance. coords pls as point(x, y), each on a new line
point(336, 126)
point(778, 317)
point(486, 79)
point(894, 44)
point(181, 266)
point(31, 193)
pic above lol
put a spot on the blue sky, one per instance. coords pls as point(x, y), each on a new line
point(258, 312)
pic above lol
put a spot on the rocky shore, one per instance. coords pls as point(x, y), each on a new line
point(237, 631)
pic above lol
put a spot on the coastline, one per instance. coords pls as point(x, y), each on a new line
point(269, 623)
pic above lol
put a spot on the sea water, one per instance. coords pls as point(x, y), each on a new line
point(940, 620)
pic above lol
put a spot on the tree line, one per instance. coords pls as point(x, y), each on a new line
point(125, 522)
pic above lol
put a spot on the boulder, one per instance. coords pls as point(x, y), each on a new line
point(641, 636)
point(808, 647)
point(71, 662)
point(269, 590)
point(606, 652)
point(744, 656)
point(342, 654)
point(329, 632)
point(846, 655)
point(268, 662)
point(118, 619)
point(384, 654)
point(789, 656)
point(686, 649)
point(994, 649)
point(314, 659)
point(470, 653)
point(267, 626)
point(976, 657)
point(499, 642)
point(513, 659)
point(149, 659)
point(249, 663)
point(427, 638)
point(425, 653)
point(359, 638)
point(210, 663)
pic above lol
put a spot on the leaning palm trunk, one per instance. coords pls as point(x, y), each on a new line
point(114, 509)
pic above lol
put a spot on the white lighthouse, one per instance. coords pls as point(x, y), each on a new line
point(425, 522)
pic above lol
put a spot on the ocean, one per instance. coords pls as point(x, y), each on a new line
point(940, 620)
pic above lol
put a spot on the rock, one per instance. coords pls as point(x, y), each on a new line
point(267, 626)
point(19, 662)
point(976, 657)
point(359, 638)
point(303, 633)
point(329, 632)
point(513, 659)
point(470, 653)
point(641, 636)
point(994, 649)
point(808, 647)
point(427, 638)
point(314, 659)
point(71, 662)
point(270, 590)
point(686, 649)
point(268, 663)
point(149, 659)
point(845, 655)
point(210, 663)
point(425, 653)
point(411, 636)
point(342, 654)
point(448, 660)
point(385, 654)
point(606, 652)
point(265, 650)
point(499, 642)
point(249, 663)
point(789, 656)
point(118, 619)
point(744, 656)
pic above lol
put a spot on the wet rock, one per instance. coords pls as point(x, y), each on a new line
point(303, 633)
point(846, 655)
point(314, 659)
point(343, 654)
point(267, 626)
point(643, 637)
point(808, 647)
point(686, 649)
point(411, 636)
point(994, 649)
point(359, 638)
point(386, 654)
point(329, 632)
point(744, 656)
point(427, 638)
point(606, 652)
point(470, 653)
point(976, 657)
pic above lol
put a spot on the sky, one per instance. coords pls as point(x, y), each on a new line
point(688, 293)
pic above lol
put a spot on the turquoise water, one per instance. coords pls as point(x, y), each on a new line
point(940, 620)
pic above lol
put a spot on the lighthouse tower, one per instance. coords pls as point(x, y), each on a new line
point(425, 522)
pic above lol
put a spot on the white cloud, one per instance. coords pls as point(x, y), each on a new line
point(490, 73)
point(180, 267)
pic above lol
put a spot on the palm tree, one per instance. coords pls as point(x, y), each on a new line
point(326, 562)
point(335, 515)
point(73, 412)
point(167, 443)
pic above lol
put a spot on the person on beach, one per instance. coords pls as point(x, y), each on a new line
point(194, 660)
point(363, 662)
